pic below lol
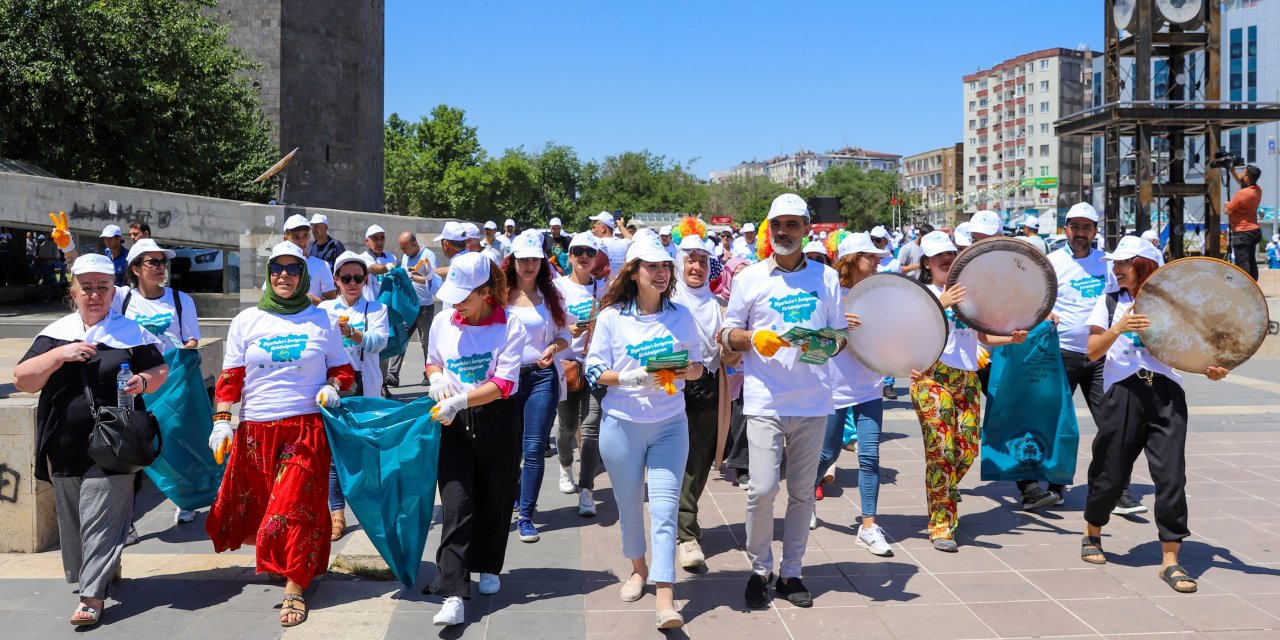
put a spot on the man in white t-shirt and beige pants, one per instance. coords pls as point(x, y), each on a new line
point(786, 402)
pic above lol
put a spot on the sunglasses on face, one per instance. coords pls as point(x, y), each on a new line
point(582, 251)
point(350, 278)
point(156, 263)
point(293, 270)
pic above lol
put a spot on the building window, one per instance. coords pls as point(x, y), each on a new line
point(972, 105)
point(973, 124)
point(1044, 86)
point(972, 85)
point(982, 103)
point(1044, 107)
point(1044, 128)
point(1044, 172)
point(1044, 64)
point(1044, 150)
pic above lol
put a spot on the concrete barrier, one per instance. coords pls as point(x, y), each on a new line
point(28, 523)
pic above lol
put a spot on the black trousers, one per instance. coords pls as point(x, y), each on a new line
point(1086, 375)
point(703, 419)
point(479, 464)
point(737, 448)
point(1139, 416)
point(1244, 250)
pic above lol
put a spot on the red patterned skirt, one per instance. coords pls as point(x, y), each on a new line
point(275, 495)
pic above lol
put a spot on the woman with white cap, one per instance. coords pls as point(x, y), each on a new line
point(474, 367)
point(644, 425)
point(855, 391)
point(283, 362)
point(1143, 408)
point(364, 327)
point(87, 349)
point(946, 397)
point(579, 412)
point(536, 303)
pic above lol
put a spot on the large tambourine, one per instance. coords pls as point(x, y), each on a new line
point(903, 325)
point(1009, 285)
point(1204, 312)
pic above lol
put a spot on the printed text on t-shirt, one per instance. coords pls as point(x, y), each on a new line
point(795, 308)
point(284, 348)
point(650, 348)
point(470, 369)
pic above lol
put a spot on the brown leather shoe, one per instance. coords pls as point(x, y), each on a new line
point(339, 519)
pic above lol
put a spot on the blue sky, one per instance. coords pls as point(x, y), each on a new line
point(719, 82)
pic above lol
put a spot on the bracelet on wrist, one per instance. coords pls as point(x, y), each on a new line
point(222, 415)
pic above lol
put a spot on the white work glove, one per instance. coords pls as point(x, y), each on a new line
point(439, 387)
point(328, 397)
point(446, 410)
point(637, 378)
point(221, 438)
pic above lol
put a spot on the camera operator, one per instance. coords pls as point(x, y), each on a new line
point(1242, 218)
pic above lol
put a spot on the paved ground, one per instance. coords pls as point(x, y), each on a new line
point(1016, 575)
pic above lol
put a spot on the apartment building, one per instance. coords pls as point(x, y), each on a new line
point(801, 168)
point(935, 177)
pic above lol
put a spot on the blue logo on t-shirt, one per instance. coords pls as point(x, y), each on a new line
point(470, 369)
point(284, 348)
point(582, 310)
point(649, 348)
point(955, 320)
point(347, 342)
point(157, 324)
point(1089, 286)
point(795, 308)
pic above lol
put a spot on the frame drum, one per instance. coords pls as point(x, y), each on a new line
point(903, 325)
point(1009, 285)
point(1204, 312)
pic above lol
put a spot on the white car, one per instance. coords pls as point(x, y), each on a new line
point(199, 269)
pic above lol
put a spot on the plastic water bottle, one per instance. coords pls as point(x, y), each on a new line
point(124, 399)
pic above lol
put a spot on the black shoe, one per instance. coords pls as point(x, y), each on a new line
point(391, 381)
point(1061, 490)
point(548, 452)
point(758, 591)
point(1036, 498)
point(1128, 505)
point(794, 591)
point(890, 394)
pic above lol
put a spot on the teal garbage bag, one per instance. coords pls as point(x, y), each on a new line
point(386, 453)
point(397, 294)
point(1029, 430)
point(185, 471)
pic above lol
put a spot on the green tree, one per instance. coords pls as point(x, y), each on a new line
point(140, 93)
point(746, 199)
point(864, 195)
point(636, 181)
point(419, 157)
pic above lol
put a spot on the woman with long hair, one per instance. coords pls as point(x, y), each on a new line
point(536, 303)
point(1143, 408)
point(474, 366)
point(644, 425)
point(946, 397)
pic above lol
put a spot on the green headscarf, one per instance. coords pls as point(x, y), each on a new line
point(273, 303)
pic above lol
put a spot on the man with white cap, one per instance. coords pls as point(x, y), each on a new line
point(298, 231)
point(744, 246)
point(509, 230)
point(911, 252)
point(420, 263)
point(114, 249)
point(556, 235)
point(664, 235)
point(603, 227)
point(985, 224)
point(453, 243)
point(961, 235)
point(495, 241)
point(1152, 236)
point(1031, 233)
point(323, 245)
point(880, 238)
point(786, 403)
point(471, 233)
point(378, 259)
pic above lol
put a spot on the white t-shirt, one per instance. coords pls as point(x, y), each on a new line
point(376, 327)
point(852, 383)
point(625, 342)
point(578, 301)
point(888, 264)
point(501, 246)
point(962, 341)
point(767, 298)
point(742, 249)
point(1127, 354)
point(159, 316)
point(285, 360)
point(1081, 283)
point(471, 355)
point(1035, 241)
point(373, 284)
point(540, 330)
point(617, 250)
point(426, 290)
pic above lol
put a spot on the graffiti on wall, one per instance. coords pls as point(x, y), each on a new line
point(123, 214)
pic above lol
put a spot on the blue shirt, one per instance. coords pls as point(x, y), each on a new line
point(121, 264)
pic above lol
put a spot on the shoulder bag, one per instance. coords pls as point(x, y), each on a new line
point(122, 439)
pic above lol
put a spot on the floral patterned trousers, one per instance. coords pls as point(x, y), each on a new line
point(275, 495)
point(946, 402)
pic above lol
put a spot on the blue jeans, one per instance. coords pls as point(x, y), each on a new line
point(868, 416)
point(536, 401)
point(337, 501)
point(628, 448)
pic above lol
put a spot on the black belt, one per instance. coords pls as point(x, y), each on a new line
point(529, 368)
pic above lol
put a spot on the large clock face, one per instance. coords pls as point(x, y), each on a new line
point(1180, 12)
point(1122, 14)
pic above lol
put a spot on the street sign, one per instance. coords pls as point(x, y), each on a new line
point(1050, 182)
point(722, 220)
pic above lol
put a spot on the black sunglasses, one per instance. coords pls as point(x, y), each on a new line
point(156, 263)
point(349, 278)
point(293, 269)
point(582, 251)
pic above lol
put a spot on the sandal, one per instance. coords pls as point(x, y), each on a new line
point(287, 607)
point(339, 520)
point(85, 622)
point(1091, 550)
point(1166, 574)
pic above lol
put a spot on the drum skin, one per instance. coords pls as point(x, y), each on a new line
point(903, 325)
point(1009, 285)
point(1204, 312)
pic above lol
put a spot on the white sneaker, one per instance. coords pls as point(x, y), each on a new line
point(689, 555)
point(813, 521)
point(451, 613)
point(182, 515)
point(489, 584)
point(566, 480)
point(872, 539)
point(586, 504)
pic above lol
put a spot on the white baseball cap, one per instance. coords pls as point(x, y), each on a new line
point(1083, 210)
point(489, 224)
point(93, 263)
point(879, 232)
point(1134, 247)
point(788, 204)
point(452, 231)
point(814, 246)
point(470, 230)
point(605, 217)
point(146, 245)
point(374, 230)
point(287, 248)
point(467, 272)
point(647, 248)
point(349, 256)
point(692, 243)
point(509, 223)
point(823, 235)
point(110, 231)
point(585, 239)
point(987, 222)
point(936, 242)
point(554, 222)
point(858, 243)
point(528, 245)
point(1148, 235)
point(319, 218)
point(295, 221)
point(963, 239)
point(1031, 222)
point(664, 230)
point(749, 227)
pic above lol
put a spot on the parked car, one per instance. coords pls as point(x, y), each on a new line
point(199, 269)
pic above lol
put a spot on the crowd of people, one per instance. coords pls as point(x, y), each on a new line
point(646, 352)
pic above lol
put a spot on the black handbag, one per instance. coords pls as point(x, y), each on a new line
point(702, 393)
point(122, 439)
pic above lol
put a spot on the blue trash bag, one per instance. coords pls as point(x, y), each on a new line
point(185, 471)
point(1029, 429)
point(397, 294)
point(386, 453)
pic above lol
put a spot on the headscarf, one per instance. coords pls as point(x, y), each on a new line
point(271, 302)
point(705, 308)
point(731, 267)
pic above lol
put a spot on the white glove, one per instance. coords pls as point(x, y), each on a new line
point(636, 378)
point(439, 387)
point(328, 397)
point(222, 431)
point(446, 410)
